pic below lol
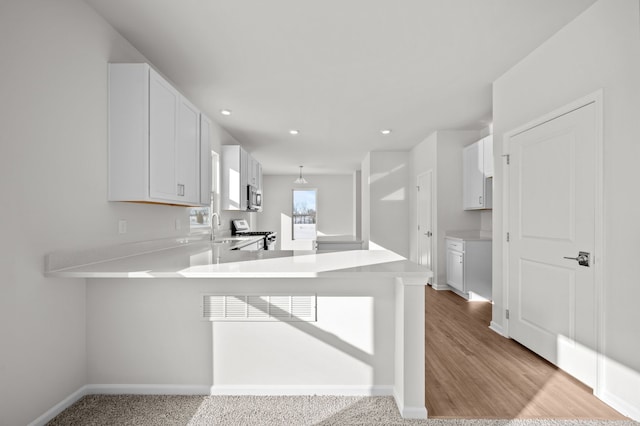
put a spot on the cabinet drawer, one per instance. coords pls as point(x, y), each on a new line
point(455, 245)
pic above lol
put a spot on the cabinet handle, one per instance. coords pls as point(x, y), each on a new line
point(480, 199)
point(181, 190)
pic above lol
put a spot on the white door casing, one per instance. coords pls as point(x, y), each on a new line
point(425, 220)
point(554, 207)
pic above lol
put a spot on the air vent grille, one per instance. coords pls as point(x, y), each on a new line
point(259, 308)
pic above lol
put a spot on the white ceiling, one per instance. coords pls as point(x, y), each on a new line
point(337, 70)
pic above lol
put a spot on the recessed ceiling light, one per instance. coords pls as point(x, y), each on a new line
point(293, 132)
point(385, 131)
point(225, 111)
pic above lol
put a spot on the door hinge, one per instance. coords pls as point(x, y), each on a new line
point(506, 313)
point(508, 237)
point(508, 157)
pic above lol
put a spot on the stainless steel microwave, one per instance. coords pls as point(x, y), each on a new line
point(254, 198)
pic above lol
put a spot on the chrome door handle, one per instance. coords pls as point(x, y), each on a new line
point(583, 258)
point(428, 234)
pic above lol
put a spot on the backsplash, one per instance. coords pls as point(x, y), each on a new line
point(486, 221)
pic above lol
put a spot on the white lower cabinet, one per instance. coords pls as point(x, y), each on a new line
point(469, 266)
point(455, 269)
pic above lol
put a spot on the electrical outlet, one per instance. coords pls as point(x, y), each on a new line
point(122, 226)
point(178, 225)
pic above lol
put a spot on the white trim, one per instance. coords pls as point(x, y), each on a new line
point(118, 389)
point(596, 98)
point(599, 246)
point(377, 390)
point(497, 328)
point(434, 233)
point(620, 405)
point(409, 412)
point(60, 407)
point(413, 413)
point(620, 387)
point(440, 287)
point(505, 230)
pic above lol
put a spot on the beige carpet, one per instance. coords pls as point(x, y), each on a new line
point(155, 410)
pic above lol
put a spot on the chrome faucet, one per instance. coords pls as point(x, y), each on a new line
point(217, 216)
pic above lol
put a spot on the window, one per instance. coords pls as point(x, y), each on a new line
point(304, 214)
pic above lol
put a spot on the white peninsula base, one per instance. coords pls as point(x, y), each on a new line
point(149, 336)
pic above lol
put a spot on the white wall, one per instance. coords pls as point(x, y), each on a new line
point(365, 201)
point(598, 50)
point(53, 180)
point(150, 332)
point(442, 152)
point(335, 207)
point(386, 174)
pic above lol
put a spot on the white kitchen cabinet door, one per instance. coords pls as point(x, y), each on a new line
point(455, 270)
point(206, 165)
point(187, 153)
point(473, 180)
point(237, 170)
point(163, 121)
point(234, 178)
point(252, 172)
point(258, 176)
point(477, 167)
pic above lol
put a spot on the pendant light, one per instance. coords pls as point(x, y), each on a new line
point(300, 180)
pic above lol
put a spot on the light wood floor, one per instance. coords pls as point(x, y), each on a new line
point(472, 372)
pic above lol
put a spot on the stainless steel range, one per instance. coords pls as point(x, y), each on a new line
point(241, 227)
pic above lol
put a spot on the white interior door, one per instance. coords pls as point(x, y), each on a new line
point(425, 220)
point(552, 184)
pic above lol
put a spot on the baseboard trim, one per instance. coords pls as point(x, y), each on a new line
point(303, 390)
point(414, 413)
point(409, 412)
point(126, 389)
point(618, 386)
point(620, 405)
point(440, 287)
point(497, 328)
point(59, 407)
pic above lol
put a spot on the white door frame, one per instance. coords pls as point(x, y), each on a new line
point(597, 99)
point(434, 229)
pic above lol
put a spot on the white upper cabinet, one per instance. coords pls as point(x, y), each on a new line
point(233, 178)
point(154, 139)
point(206, 172)
point(255, 172)
point(187, 159)
point(477, 169)
point(238, 170)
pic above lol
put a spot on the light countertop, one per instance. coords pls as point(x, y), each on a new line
point(203, 259)
point(468, 235)
point(338, 239)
